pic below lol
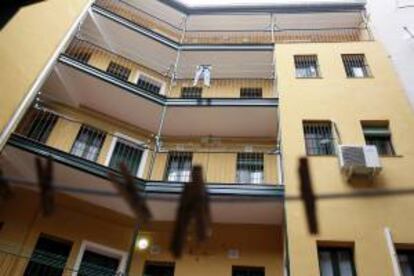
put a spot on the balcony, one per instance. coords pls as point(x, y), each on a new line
point(278, 24)
point(84, 153)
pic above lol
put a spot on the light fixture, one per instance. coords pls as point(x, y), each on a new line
point(143, 243)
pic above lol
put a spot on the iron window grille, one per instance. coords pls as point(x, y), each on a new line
point(319, 139)
point(48, 258)
point(127, 152)
point(38, 125)
point(118, 71)
point(88, 143)
point(379, 136)
point(336, 261)
point(406, 260)
point(159, 268)
point(93, 263)
point(191, 92)
point(179, 166)
point(149, 85)
point(83, 56)
point(307, 66)
point(250, 168)
point(248, 271)
point(356, 66)
point(251, 92)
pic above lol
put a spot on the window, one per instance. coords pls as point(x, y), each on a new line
point(248, 271)
point(191, 92)
point(251, 93)
point(82, 56)
point(127, 152)
point(97, 264)
point(249, 168)
point(49, 257)
point(118, 71)
point(318, 138)
point(379, 136)
point(38, 125)
point(88, 143)
point(179, 166)
point(406, 260)
point(336, 261)
point(149, 85)
point(356, 66)
point(307, 66)
point(158, 269)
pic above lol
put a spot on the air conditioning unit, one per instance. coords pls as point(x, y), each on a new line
point(359, 160)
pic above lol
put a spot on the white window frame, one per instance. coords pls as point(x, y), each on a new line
point(163, 86)
point(103, 250)
point(144, 157)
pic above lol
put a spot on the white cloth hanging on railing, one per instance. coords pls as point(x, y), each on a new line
point(203, 71)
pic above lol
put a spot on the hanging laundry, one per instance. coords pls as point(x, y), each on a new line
point(127, 188)
point(203, 71)
point(308, 195)
point(45, 182)
point(194, 205)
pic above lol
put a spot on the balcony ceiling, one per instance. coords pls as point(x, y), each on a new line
point(127, 43)
point(82, 86)
point(19, 163)
point(219, 16)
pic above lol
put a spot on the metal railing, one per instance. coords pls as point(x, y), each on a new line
point(322, 35)
point(222, 162)
point(256, 36)
point(126, 70)
point(45, 264)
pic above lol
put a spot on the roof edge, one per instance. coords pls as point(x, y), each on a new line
point(300, 7)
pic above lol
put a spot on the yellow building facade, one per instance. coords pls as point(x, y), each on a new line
point(243, 91)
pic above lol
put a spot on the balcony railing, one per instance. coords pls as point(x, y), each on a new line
point(223, 162)
point(45, 264)
point(265, 35)
point(160, 82)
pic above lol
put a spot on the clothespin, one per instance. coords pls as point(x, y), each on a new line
point(194, 204)
point(5, 191)
point(307, 195)
point(45, 182)
point(131, 194)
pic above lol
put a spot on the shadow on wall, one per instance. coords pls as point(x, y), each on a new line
point(8, 8)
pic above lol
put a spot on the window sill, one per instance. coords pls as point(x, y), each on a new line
point(326, 155)
point(391, 156)
point(309, 78)
point(360, 78)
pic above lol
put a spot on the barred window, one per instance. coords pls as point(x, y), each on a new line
point(191, 92)
point(118, 71)
point(248, 271)
point(49, 257)
point(88, 143)
point(148, 84)
point(38, 125)
point(379, 136)
point(83, 56)
point(356, 66)
point(251, 92)
point(307, 66)
point(179, 166)
point(336, 261)
point(94, 263)
point(406, 260)
point(250, 168)
point(127, 152)
point(319, 139)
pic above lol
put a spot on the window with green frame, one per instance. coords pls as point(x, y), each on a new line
point(336, 261)
point(378, 135)
point(127, 152)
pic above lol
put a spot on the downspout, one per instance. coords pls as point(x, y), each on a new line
point(30, 96)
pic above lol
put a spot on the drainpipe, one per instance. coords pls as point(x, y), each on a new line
point(391, 249)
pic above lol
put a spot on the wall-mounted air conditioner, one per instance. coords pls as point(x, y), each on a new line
point(359, 160)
